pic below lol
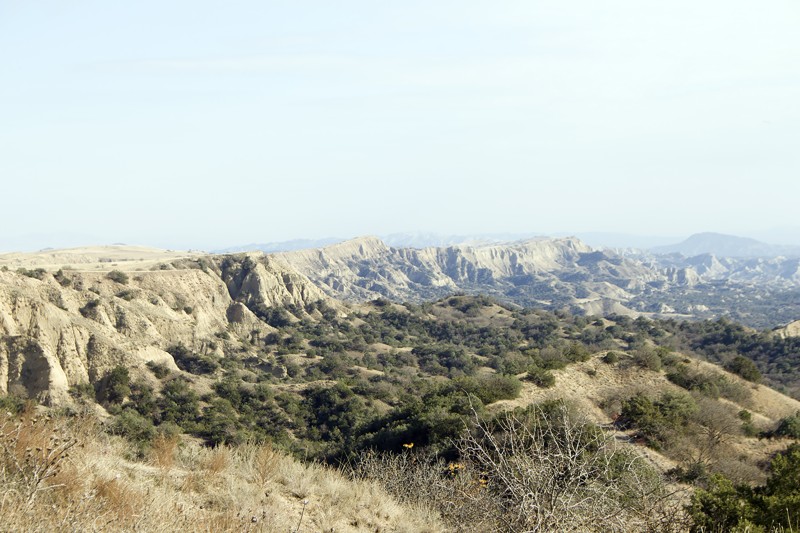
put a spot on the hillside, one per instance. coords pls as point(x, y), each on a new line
point(68, 327)
point(789, 330)
point(93, 481)
point(542, 272)
point(243, 349)
point(94, 258)
point(550, 272)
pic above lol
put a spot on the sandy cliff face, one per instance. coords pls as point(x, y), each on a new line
point(558, 273)
point(790, 330)
point(530, 271)
point(54, 335)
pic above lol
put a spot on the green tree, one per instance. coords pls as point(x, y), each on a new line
point(744, 367)
point(789, 427)
point(724, 506)
point(115, 387)
point(179, 404)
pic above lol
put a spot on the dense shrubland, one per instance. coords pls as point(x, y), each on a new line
point(412, 390)
point(726, 506)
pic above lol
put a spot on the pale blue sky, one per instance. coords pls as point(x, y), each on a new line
point(208, 124)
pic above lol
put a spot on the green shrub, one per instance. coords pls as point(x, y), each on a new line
point(118, 276)
point(657, 420)
point(143, 399)
point(693, 472)
point(774, 506)
point(134, 427)
point(90, 309)
point(126, 295)
point(83, 391)
point(541, 377)
point(441, 358)
point(647, 358)
point(789, 427)
point(36, 273)
point(551, 358)
point(12, 404)
point(491, 388)
point(179, 404)
point(744, 367)
point(577, 352)
point(219, 423)
point(159, 370)
point(277, 317)
point(115, 386)
point(62, 279)
point(511, 363)
point(611, 357)
point(191, 362)
point(334, 413)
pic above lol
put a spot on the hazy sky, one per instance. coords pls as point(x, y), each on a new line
point(206, 124)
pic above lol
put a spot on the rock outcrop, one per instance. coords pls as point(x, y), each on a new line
point(537, 271)
point(55, 333)
point(790, 330)
point(557, 273)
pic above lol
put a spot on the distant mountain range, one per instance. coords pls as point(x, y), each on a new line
point(717, 244)
point(553, 273)
point(396, 240)
point(421, 240)
point(283, 246)
point(722, 245)
point(559, 273)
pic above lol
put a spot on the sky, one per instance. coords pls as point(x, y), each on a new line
point(199, 124)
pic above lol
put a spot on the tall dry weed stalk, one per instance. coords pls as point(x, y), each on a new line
point(162, 451)
point(121, 501)
point(33, 449)
point(265, 461)
point(218, 460)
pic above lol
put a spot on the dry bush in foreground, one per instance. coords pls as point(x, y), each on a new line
point(453, 490)
point(550, 470)
point(539, 470)
point(32, 452)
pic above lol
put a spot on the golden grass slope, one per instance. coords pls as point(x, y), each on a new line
point(93, 486)
point(597, 389)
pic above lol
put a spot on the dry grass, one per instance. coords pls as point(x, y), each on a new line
point(264, 462)
point(163, 451)
point(715, 441)
point(217, 461)
point(183, 486)
point(559, 475)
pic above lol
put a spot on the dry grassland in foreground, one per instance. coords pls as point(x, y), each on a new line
point(62, 474)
